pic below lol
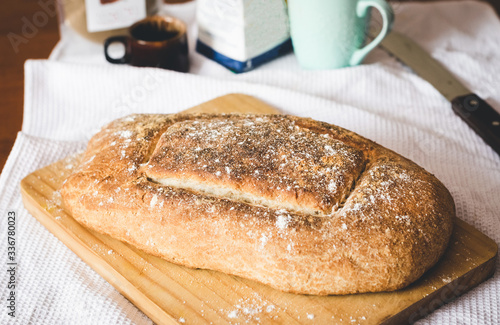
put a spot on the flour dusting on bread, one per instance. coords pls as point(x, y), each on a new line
point(301, 205)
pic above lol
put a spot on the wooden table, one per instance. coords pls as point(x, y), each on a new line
point(16, 47)
point(13, 16)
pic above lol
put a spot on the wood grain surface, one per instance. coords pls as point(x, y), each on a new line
point(169, 293)
point(13, 52)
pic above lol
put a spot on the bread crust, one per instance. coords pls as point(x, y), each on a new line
point(328, 212)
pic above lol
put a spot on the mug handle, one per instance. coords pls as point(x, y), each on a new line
point(387, 17)
point(125, 40)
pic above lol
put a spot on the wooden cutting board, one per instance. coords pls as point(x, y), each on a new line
point(169, 293)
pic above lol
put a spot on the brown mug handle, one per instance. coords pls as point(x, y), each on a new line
point(125, 40)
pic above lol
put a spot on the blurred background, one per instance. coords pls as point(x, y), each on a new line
point(13, 15)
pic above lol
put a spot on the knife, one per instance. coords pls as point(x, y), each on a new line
point(478, 114)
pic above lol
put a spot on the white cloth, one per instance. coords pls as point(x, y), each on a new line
point(65, 103)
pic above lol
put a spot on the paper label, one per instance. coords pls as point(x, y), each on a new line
point(113, 14)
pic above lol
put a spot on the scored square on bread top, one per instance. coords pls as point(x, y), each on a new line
point(283, 166)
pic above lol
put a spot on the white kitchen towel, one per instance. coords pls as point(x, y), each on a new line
point(66, 102)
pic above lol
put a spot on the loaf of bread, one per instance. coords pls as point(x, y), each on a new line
point(300, 205)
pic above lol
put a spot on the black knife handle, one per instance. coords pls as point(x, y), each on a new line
point(481, 117)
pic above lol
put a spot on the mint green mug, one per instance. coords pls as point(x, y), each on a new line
point(329, 34)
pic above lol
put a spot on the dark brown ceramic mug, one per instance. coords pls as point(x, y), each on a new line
point(155, 41)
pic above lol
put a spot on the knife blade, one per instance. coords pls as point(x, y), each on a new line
point(478, 114)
